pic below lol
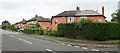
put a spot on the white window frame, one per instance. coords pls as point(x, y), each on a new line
point(70, 19)
point(63, 18)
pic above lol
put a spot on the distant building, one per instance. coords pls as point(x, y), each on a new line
point(21, 24)
point(44, 22)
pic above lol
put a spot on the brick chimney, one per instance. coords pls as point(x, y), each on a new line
point(103, 10)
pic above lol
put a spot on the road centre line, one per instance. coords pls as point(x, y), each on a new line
point(12, 36)
point(76, 46)
point(84, 48)
point(50, 50)
point(25, 41)
point(95, 50)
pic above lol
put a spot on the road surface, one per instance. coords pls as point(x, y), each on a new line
point(13, 41)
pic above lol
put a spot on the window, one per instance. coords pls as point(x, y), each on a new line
point(63, 18)
point(70, 19)
point(99, 20)
point(83, 17)
point(56, 21)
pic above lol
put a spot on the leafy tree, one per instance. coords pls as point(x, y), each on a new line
point(5, 23)
point(116, 15)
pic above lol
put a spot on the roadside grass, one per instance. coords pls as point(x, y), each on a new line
point(84, 41)
point(65, 39)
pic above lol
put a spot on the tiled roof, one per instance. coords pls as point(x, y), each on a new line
point(80, 13)
point(39, 19)
point(23, 22)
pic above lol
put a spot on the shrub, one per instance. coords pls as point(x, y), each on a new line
point(33, 31)
point(53, 33)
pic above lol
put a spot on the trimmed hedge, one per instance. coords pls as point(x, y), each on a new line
point(69, 30)
point(33, 31)
point(91, 31)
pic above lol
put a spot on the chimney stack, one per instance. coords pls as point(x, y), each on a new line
point(103, 10)
point(77, 10)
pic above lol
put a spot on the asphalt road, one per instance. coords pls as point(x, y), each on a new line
point(13, 41)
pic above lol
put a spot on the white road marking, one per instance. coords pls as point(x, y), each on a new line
point(12, 36)
point(49, 50)
point(25, 41)
point(95, 50)
point(69, 45)
point(0, 50)
point(62, 43)
point(76, 46)
point(84, 48)
point(19, 38)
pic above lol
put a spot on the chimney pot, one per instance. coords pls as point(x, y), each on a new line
point(36, 16)
point(103, 10)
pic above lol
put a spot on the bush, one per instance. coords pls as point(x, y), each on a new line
point(33, 31)
point(12, 27)
point(4, 27)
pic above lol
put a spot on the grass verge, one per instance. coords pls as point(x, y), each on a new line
point(84, 41)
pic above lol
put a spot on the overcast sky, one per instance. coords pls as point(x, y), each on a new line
point(16, 10)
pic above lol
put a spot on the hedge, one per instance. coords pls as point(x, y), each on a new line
point(91, 31)
point(33, 31)
point(69, 30)
point(11, 27)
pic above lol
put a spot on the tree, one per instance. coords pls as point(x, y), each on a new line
point(5, 23)
point(116, 15)
point(32, 25)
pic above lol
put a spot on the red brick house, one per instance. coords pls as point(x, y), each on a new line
point(21, 24)
point(75, 16)
point(44, 22)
